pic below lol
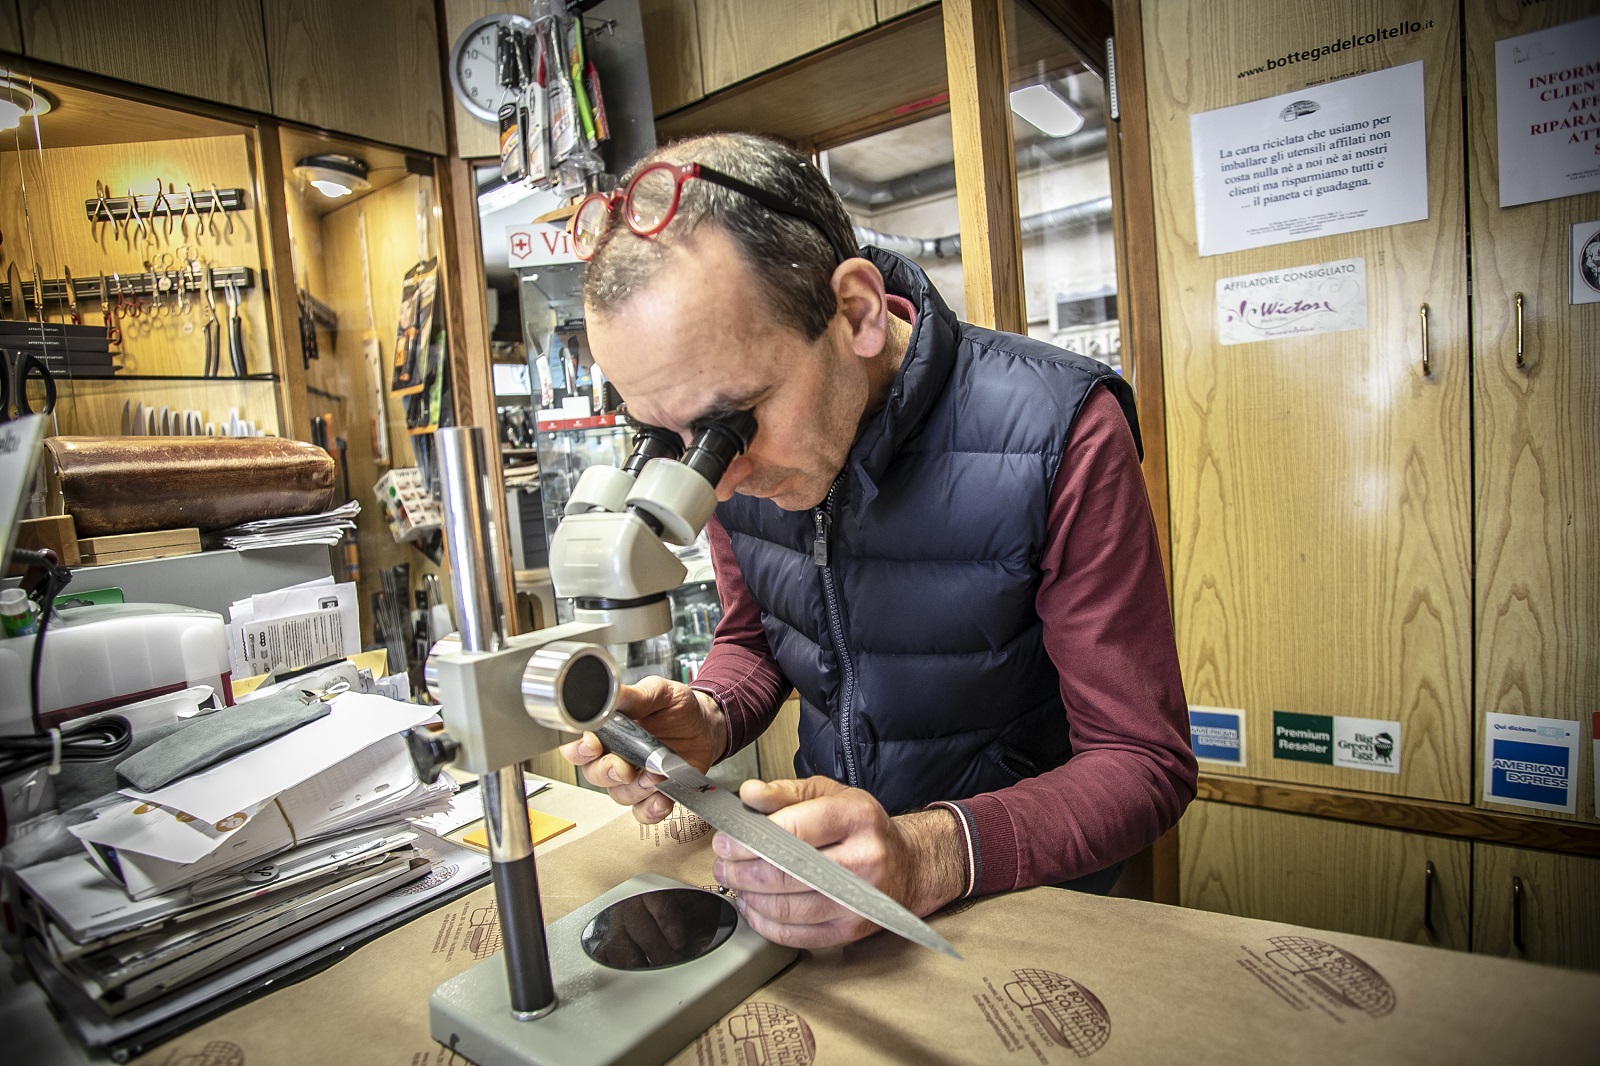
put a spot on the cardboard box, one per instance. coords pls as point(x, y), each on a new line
point(1049, 977)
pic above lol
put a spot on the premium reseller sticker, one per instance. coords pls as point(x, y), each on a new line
point(1334, 740)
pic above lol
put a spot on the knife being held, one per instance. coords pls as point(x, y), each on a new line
point(724, 811)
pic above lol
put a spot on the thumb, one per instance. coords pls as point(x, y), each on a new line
point(649, 695)
point(769, 796)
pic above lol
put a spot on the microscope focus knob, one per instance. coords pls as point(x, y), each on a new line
point(430, 752)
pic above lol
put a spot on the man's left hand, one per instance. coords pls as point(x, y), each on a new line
point(914, 858)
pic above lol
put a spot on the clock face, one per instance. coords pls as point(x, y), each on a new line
point(474, 73)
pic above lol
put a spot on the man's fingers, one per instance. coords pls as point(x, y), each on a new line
point(652, 810)
point(769, 796)
point(795, 908)
point(754, 875)
point(825, 935)
point(586, 749)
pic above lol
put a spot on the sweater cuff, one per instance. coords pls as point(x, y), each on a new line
point(993, 844)
point(969, 855)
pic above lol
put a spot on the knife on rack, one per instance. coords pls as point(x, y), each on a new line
point(724, 811)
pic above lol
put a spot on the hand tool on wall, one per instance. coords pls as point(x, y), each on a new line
point(235, 331)
point(72, 298)
point(19, 368)
point(212, 327)
point(18, 309)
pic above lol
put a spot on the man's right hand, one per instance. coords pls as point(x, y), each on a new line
point(689, 722)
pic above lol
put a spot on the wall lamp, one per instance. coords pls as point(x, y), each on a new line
point(19, 101)
point(1046, 109)
point(333, 175)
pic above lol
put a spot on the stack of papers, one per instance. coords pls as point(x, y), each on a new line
point(325, 528)
point(294, 627)
point(182, 887)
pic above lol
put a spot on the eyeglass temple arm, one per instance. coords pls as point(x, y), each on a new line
point(773, 203)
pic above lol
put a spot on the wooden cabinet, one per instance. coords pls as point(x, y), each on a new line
point(372, 70)
point(672, 40)
point(1325, 874)
point(10, 27)
point(739, 38)
point(1536, 905)
point(210, 49)
point(1320, 486)
point(888, 9)
point(1537, 425)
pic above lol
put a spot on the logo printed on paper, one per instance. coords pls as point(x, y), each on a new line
point(1366, 744)
point(1302, 737)
point(1046, 1013)
point(1530, 762)
point(1217, 734)
point(1585, 263)
point(1311, 974)
point(1298, 301)
point(766, 1033)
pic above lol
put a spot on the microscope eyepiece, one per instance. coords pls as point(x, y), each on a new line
point(718, 443)
point(651, 442)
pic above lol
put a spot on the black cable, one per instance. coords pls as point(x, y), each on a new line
point(56, 578)
point(95, 740)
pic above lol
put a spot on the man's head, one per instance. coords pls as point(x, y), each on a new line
point(734, 306)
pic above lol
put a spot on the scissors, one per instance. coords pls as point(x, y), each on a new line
point(19, 367)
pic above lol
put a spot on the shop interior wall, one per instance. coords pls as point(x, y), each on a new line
point(50, 226)
point(327, 256)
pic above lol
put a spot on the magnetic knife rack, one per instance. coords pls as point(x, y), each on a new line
point(140, 284)
point(159, 205)
point(324, 316)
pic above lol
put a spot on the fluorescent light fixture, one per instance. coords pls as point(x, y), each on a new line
point(334, 175)
point(18, 101)
point(1046, 109)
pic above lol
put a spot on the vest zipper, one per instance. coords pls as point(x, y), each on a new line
point(823, 516)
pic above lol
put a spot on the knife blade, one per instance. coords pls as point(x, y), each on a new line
point(724, 811)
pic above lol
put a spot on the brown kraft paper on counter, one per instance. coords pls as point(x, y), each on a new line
point(1050, 977)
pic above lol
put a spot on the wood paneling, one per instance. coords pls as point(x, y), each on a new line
point(1133, 215)
point(1560, 906)
point(1320, 485)
point(1537, 426)
point(892, 9)
point(56, 231)
point(672, 48)
point(740, 38)
point(778, 745)
point(371, 70)
point(10, 27)
point(1326, 875)
point(1423, 816)
point(986, 163)
point(210, 49)
point(83, 116)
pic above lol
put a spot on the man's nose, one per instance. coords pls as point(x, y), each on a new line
point(737, 471)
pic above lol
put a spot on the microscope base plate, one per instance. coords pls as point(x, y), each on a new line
point(603, 1016)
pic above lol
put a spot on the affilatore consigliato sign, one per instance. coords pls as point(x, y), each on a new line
point(1292, 302)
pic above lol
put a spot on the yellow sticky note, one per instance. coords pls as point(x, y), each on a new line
point(544, 827)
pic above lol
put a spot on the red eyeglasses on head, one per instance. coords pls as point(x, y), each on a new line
point(649, 201)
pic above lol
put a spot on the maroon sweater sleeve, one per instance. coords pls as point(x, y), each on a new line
point(739, 671)
point(1108, 629)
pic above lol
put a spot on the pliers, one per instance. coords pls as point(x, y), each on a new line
point(213, 329)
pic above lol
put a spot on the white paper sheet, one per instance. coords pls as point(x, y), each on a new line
point(467, 807)
point(294, 627)
point(1547, 106)
point(356, 721)
point(1292, 302)
point(1349, 155)
point(139, 826)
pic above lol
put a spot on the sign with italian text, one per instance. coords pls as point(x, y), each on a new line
point(1336, 158)
point(1547, 104)
point(1292, 302)
point(1530, 762)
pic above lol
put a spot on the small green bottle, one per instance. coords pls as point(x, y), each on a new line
point(16, 616)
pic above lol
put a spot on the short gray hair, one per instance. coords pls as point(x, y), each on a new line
point(792, 260)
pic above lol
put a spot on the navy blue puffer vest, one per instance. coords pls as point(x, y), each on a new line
point(916, 651)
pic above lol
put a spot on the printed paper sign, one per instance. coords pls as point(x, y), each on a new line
point(1293, 302)
point(1349, 155)
point(1334, 740)
point(1530, 762)
point(1547, 99)
point(538, 244)
point(1586, 263)
point(1217, 734)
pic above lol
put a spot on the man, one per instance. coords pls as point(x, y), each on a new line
point(939, 536)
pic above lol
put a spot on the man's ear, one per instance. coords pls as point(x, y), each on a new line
point(863, 307)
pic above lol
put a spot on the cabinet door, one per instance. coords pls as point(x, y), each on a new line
point(372, 70)
point(1324, 874)
point(10, 27)
point(1537, 425)
point(672, 44)
point(739, 38)
point(1319, 484)
point(210, 49)
point(1536, 905)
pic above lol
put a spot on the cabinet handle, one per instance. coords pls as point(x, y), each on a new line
point(1521, 363)
point(1428, 873)
point(1516, 914)
point(1427, 359)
